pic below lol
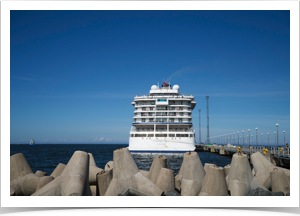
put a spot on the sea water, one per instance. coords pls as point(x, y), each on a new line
point(46, 157)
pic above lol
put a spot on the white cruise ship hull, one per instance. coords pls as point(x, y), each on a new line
point(161, 145)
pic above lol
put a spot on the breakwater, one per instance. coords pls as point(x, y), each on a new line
point(121, 177)
point(279, 156)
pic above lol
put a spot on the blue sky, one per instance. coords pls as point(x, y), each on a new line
point(74, 73)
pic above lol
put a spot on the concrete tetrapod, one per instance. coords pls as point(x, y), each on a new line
point(22, 180)
point(280, 182)
point(109, 165)
point(103, 180)
point(240, 179)
point(159, 162)
point(193, 174)
point(226, 169)
point(178, 179)
point(127, 176)
point(94, 170)
point(263, 167)
point(40, 173)
point(270, 158)
point(144, 172)
point(73, 181)
point(43, 181)
point(214, 183)
point(58, 170)
point(166, 180)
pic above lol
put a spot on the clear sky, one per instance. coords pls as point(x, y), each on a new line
point(74, 73)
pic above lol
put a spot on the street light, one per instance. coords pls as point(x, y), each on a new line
point(230, 138)
point(238, 138)
point(252, 139)
point(275, 137)
point(249, 136)
point(268, 139)
point(277, 133)
point(256, 137)
point(262, 139)
point(234, 138)
point(243, 138)
point(283, 137)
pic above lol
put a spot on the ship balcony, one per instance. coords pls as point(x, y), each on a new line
point(153, 116)
point(166, 110)
point(162, 130)
point(161, 121)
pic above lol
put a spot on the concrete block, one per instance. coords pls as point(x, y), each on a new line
point(212, 149)
point(263, 167)
point(22, 180)
point(178, 178)
point(103, 180)
point(58, 170)
point(270, 158)
point(193, 174)
point(73, 181)
point(159, 162)
point(214, 183)
point(127, 176)
point(144, 172)
point(280, 182)
point(43, 181)
point(240, 176)
point(93, 189)
point(166, 180)
point(109, 165)
point(226, 169)
point(93, 170)
point(40, 173)
point(222, 152)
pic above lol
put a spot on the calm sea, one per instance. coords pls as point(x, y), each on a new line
point(46, 157)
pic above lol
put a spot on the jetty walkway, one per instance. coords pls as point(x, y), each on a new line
point(281, 155)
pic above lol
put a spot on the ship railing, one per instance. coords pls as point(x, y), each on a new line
point(169, 96)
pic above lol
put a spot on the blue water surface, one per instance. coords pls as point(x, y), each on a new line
point(46, 157)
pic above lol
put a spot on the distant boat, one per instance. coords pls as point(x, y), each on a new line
point(32, 142)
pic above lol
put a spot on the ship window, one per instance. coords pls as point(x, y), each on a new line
point(171, 135)
point(132, 135)
point(160, 135)
point(150, 135)
point(161, 99)
point(140, 135)
point(191, 135)
point(182, 135)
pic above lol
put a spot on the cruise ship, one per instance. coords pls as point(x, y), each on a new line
point(162, 121)
point(32, 142)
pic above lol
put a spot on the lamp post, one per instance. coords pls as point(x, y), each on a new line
point(221, 139)
point(256, 137)
point(275, 137)
point(277, 133)
point(230, 137)
point(233, 137)
point(283, 137)
point(262, 139)
point(243, 138)
point(238, 138)
point(252, 139)
point(268, 140)
point(224, 138)
point(249, 136)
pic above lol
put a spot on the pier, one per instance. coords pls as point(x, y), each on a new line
point(281, 155)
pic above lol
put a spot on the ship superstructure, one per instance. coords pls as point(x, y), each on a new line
point(162, 121)
point(32, 142)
